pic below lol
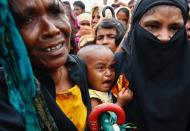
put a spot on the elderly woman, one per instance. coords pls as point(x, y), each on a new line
point(46, 32)
point(156, 63)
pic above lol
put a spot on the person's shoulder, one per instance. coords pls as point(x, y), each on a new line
point(73, 58)
point(77, 61)
point(121, 63)
point(120, 54)
point(121, 57)
point(78, 67)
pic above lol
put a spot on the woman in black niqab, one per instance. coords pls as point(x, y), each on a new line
point(158, 72)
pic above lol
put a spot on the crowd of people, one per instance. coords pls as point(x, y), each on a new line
point(58, 63)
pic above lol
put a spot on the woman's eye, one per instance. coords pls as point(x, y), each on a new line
point(27, 20)
point(175, 28)
point(55, 11)
point(151, 27)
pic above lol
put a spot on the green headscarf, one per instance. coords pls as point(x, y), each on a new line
point(17, 69)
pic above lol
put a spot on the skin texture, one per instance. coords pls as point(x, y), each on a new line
point(106, 37)
point(101, 72)
point(78, 10)
point(188, 25)
point(43, 29)
point(95, 17)
point(161, 21)
point(46, 25)
point(123, 17)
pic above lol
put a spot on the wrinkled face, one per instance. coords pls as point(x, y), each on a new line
point(163, 21)
point(95, 17)
point(188, 25)
point(101, 72)
point(106, 37)
point(45, 30)
point(123, 17)
point(78, 10)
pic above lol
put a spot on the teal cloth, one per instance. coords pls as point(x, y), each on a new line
point(17, 69)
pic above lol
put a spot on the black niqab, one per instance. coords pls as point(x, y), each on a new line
point(160, 74)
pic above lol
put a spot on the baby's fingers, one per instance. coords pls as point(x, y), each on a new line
point(128, 92)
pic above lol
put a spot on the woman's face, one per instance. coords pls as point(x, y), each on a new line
point(131, 6)
point(95, 17)
point(45, 30)
point(163, 21)
point(123, 17)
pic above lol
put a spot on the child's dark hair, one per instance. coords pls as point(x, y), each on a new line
point(110, 23)
point(80, 4)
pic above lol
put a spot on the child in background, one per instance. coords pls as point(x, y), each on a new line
point(100, 63)
point(84, 20)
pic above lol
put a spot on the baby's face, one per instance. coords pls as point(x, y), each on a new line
point(101, 71)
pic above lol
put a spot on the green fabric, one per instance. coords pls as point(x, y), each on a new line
point(47, 122)
point(17, 69)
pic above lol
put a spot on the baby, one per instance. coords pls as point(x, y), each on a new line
point(101, 74)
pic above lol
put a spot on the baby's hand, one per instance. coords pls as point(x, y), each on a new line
point(124, 97)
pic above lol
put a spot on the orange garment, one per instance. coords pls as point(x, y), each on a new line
point(72, 105)
point(122, 82)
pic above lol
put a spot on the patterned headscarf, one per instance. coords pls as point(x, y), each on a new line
point(17, 69)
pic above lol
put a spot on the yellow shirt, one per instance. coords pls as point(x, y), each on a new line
point(104, 97)
point(72, 105)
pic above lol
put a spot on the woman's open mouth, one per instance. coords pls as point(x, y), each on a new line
point(54, 48)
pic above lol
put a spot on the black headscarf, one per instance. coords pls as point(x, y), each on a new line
point(160, 74)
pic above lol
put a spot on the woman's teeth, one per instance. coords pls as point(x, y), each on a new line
point(53, 48)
